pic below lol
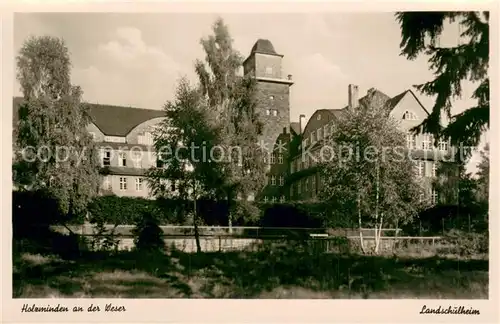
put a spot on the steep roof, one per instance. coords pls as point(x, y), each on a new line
point(111, 120)
point(119, 121)
point(295, 126)
point(263, 46)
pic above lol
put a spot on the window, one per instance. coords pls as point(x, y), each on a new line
point(319, 117)
point(273, 199)
point(273, 158)
point(427, 142)
point(268, 112)
point(306, 142)
point(281, 180)
point(292, 167)
point(106, 159)
point(275, 112)
point(146, 139)
point(313, 137)
point(122, 159)
point(306, 187)
point(434, 196)
point(421, 197)
point(107, 183)
point(443, 145)
point(265, 199)
point(411, 141)
point(299, 187)
point(434, 169)
point(325, 131)
point(269, 70)
point(173, 185)
point(320, 134)
point(306, 162)
point(280, 159)
point(420, 168)
point(313, 183)
point(138, 184)
point(137, 159)
point(282, 199)
point(408, 115)
point(159, 161)
point(123, 183)
point(273, 180)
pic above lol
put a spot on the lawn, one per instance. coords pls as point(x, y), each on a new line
point(276, 273)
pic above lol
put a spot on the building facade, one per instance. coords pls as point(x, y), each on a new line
point(124, 135)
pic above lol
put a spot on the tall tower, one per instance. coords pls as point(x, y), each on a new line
point(273, 89)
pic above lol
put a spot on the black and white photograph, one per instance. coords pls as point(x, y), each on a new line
point(313, 155)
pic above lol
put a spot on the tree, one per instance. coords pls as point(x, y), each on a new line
point(483, 180)
point(231, 98)
point(182, 141)
point(367, 174)
point(52, 122)
point(420, 32)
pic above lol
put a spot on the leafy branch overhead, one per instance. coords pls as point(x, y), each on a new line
point(467, 61)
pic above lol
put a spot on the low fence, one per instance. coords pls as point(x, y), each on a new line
point(225, 239)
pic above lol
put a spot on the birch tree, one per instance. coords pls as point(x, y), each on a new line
point(367, 173)
point(56, 153)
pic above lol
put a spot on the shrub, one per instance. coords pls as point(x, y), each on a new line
point(148, 234)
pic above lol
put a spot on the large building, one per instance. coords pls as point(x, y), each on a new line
point(124, 134)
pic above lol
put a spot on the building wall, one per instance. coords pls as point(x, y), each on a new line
point(310, 185)
point(273, 96)
point(268, 63)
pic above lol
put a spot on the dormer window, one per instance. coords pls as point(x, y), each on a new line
point(319, 117)
point(268, 112)
point(271, 97)
point(408, 115)
point(275, 112)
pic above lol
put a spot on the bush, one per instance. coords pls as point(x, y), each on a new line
point(148, 234)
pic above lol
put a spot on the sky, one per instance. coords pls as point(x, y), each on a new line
point(136, 59)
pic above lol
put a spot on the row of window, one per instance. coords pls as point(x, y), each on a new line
point(272, 159)
point(273, 112)
point(421, 169)
point(143, 139)
point(281, 180)
point(139, 184)
point(427, 142)
point(318, 134)
point(433, 195)
point(273, 199)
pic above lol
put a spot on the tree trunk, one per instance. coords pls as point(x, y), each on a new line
point(361, 242)
point(229, 216)
point(377, 235)
point(195, 222)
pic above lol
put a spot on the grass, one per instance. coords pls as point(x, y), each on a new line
point(269, 273)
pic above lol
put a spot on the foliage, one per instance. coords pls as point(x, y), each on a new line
point(148, 234)
point(483, 173)
point(52, 120)
point(368, 172)
point(126, 210)
point(468, 60)
point(467, 244)
point(231, 100)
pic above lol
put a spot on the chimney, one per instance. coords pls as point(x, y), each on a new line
point(300, 123)
point(353, 96)
point(289, 77)
point(370, 91)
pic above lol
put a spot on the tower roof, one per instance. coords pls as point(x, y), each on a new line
point(263, 46)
